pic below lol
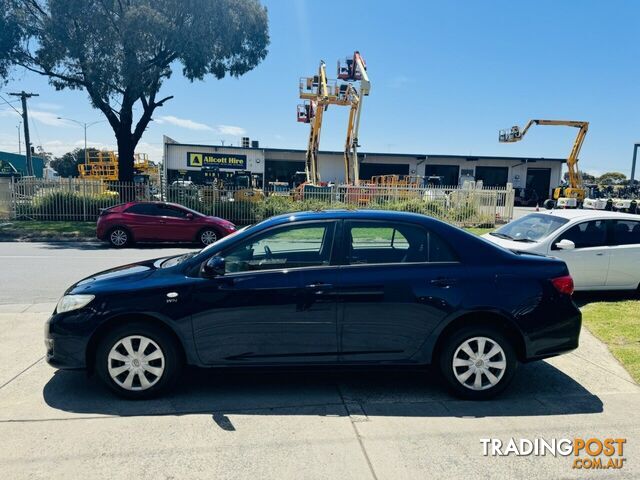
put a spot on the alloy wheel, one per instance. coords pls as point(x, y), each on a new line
point(208, 237)
point(118, 237)
point(479, 363)
point(136, 363)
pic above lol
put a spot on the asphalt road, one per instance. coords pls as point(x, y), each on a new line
point(41, 272)
point(283, 424)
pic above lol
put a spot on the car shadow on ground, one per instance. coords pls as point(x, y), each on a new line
point(538, 389)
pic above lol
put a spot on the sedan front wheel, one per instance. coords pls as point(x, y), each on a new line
point(137, 360)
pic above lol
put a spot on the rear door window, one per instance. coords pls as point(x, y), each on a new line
point(626, 232)
point(378, 243)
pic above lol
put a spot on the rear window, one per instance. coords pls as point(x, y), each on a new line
point(143, 209)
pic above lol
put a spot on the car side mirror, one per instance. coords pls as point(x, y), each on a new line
point(189, 216)
point(214, 267)
point(565, 244)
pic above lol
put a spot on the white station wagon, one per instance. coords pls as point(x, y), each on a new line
point(601, 249)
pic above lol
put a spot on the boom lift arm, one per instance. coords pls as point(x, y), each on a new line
point(318, 93)
point(355, 69)
point(575, 188)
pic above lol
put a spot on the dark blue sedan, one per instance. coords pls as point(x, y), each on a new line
point(321, 288)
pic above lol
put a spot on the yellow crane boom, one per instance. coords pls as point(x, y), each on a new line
point(575, 189)
point(318, 93)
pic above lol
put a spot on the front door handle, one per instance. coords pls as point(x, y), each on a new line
point(443, 282)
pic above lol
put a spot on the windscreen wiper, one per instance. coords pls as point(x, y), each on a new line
point(501, 235)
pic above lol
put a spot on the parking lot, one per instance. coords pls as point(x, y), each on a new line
point(281, 424)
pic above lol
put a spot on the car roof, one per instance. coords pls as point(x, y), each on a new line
point(350, 214)
point(582, 213)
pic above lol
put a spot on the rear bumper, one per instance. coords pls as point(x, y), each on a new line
point(560, 337)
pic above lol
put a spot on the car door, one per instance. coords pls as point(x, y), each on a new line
point(588, 262)
point(624, 263)
point(397, 283)
point(143, 221)
point(174, 225)
point(275, 303)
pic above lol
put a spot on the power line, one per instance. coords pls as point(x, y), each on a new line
point(9, 103)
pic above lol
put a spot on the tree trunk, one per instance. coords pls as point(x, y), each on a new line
point(126, 148)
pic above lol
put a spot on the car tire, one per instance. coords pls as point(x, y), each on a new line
point(549, 204)
point(138, 360)
point(464, 362)
point(207, 236)
point(119, 237)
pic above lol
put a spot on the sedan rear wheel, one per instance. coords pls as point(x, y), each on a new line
point(208, 236)
point(477, 362)
point(137, 360)
point(119, 237)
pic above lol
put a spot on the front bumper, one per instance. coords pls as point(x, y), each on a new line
point(66, 337)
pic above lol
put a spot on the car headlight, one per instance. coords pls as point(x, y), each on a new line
point(73, 302)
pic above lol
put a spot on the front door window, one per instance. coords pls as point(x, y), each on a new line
point(305, 245)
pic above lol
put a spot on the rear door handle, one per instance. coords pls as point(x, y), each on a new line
point(319, 286)
point(443, 282)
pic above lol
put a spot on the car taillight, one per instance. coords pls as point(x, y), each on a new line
point(563, 284)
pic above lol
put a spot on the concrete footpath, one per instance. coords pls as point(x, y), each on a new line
point(324, 425)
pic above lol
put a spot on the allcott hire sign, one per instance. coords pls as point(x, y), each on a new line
point(222, 160)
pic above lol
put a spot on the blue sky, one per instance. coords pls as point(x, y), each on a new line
point(446, 76)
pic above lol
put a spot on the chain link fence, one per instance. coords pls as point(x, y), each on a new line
point(77, 199)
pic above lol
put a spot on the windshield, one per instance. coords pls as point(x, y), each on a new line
point(530, 228)
point(173, 261)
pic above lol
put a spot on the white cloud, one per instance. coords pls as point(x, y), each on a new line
point(183, 123)
point(48, 118)
point(9, 112)
point(230, 130)
point(48, 106)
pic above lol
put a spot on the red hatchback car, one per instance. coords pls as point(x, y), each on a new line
point(131, 222)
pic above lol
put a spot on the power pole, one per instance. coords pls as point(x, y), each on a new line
point(25, 120)
point(633, 164)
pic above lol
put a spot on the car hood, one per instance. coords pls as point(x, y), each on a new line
point(119, 276)
point(511, 245)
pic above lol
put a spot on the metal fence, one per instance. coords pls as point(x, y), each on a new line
point(82, 200)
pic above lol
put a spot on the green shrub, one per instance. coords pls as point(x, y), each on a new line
point(66, 205)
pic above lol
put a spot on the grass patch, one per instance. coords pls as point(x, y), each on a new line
point(479, 230)
point(617, 323)
point(33, 230)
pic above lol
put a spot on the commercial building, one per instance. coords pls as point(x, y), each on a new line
point(186, 161)
point(19, 162)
